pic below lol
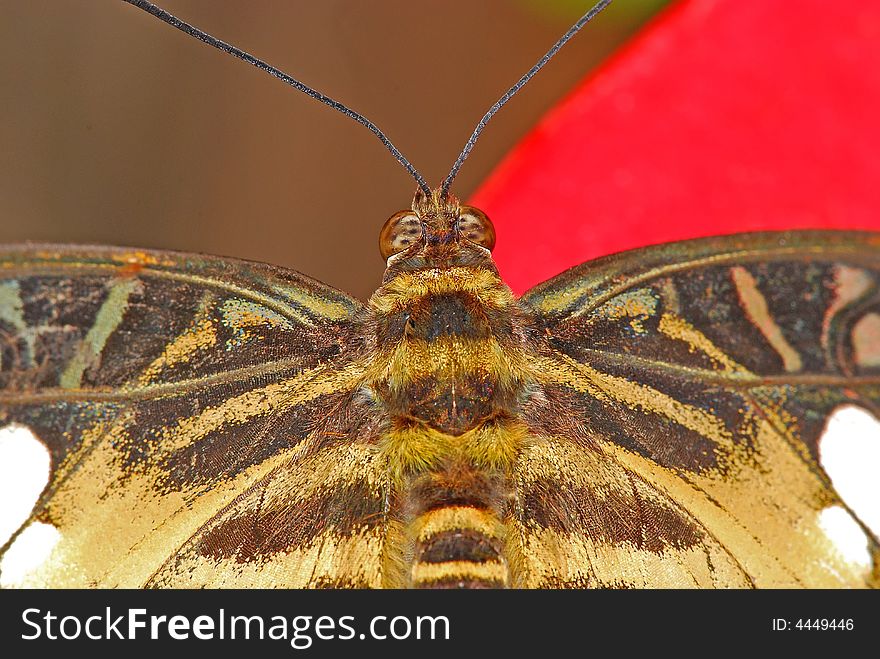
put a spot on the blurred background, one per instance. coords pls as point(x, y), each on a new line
point(117, 129)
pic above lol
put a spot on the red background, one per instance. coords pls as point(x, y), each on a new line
point(721, 116)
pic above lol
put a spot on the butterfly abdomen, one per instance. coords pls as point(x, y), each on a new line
point(453, 493)
point(456, 529)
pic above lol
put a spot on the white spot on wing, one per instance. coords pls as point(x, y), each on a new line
point(24, 472)
point(30, 549)
point(846, 534)
point(849, 451)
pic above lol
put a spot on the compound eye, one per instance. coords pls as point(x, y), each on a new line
point(475, 226)
point(401, 230)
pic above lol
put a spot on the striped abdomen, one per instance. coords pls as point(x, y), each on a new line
point(456, 530)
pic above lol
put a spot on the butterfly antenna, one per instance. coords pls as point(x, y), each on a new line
point(586, 18)
point(193, 31)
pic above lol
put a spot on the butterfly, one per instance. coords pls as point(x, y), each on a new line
point(649, 419)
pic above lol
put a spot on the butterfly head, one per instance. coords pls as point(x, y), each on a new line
point(436, 232)
point(437, 251)
point(442, 307)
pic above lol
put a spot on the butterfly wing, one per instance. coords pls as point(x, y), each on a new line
point(684, 389)
point(175, 390)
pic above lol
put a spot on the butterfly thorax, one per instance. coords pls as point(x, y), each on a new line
point(452, 375)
